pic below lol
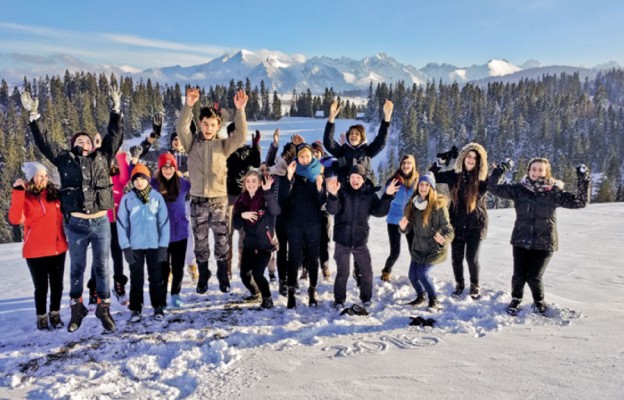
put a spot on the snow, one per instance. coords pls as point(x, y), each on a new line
point(217, 347)
point(501, 68)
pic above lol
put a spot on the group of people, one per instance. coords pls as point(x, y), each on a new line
point(283, 208)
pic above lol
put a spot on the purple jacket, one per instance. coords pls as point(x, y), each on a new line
point(178, 219)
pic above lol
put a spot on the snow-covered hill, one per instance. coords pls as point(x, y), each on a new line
point(217, 347)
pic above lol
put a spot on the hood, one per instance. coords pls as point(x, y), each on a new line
point(483, 164)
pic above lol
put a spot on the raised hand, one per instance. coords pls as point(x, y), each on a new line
point(157, 124)
point(267, 183)
point(276, 137)
point(240, 99)
point(333, 186)
point(29, 103)
point(114, 93)
point(292, 167)
point(446, 156)
point(343, 138)
point(387, 110)
point(334, 109)
point(20, 183)
point(135, 151)
point(393, 187)
point(582, 173)
point(192, 96)
point(297, 139)
point(255, 140)
point(507, 165)
point(319, 182)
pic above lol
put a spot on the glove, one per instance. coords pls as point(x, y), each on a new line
point(162, 254)
point(115, 95)
point(582, 173)
point(129, 255)
point(507, 165)
point(135, 151)
point(255, 140)
point(447, 156)
point(157, 125)
point(31, 105)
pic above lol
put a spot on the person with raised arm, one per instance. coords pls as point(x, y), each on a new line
point(207, 161)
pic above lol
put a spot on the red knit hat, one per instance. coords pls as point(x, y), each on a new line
point(140, 170)
point(167, 159)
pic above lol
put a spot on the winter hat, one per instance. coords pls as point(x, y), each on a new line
point(140, 170)
point(318, 146)
point(167, 159)
point(358, 169)
point(303, 146)
point(31, 168)
point(76, 135)
point(429, 178)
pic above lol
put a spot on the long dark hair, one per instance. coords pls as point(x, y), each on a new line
point(52, 193)
point(169, 189)
point(470, 189)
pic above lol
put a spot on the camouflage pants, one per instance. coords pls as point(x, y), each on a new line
point(206, 214)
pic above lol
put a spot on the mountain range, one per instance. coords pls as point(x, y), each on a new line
point(283, 73)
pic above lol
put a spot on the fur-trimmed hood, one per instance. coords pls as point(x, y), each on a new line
point(483, 163)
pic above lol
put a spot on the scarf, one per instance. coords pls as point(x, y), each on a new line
point(143, 194)
point(256, 203)
point(310, 171)
point(540, 185)
point(419, 203)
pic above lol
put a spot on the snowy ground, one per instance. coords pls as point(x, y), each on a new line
point(216, 347)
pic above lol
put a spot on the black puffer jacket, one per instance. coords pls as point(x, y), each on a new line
point(301, 201)
point(536, 212)
point(347, 156)
point(86, 185)
point(352, 209)
point(259, 235)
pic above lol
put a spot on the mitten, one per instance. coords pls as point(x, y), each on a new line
point(135, 151)
point(157, 125)
point(256, 139)
point(31, 105)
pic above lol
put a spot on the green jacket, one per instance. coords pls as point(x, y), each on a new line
point(207, 159)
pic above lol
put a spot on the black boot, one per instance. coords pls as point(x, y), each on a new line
point(222, 276)
point(267, 302)
point(42, 322)
point(283, 288)
point(78, 312)
point(434, 304)
point(312, 300)
point(204, 276)
point(292, 301)
point(103, 313)
point(459, 288)
point(55, 320)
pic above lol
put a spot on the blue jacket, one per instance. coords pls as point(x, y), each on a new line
point(397, 207)
point(143, 226)
point(178, 218)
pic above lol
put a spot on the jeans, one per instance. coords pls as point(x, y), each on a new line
point(420, 279)
point(529, 267)
point(469, 248)
point(80, 233)
point(362, 258)
point(394, 236)
point(47, 271)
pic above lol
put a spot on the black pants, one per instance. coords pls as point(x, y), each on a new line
point(157, 291)
point(117, 255)
point(362, 258)
point(174, 265)
point(253, 264)
point(326, 229)
point(47, 271)
point(303, 249)
point(394, 236)
point(470, 250)
point(529, 267)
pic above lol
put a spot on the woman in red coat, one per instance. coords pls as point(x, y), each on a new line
point(35, 203)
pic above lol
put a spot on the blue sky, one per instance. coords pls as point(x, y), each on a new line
point(38, 35)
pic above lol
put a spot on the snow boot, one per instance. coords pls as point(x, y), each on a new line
point(252, 298)
point(203, 277)
point(159, 313)
point(312, 299)
point(513, 307)
point(193, 273)
point(434, 304)
point(283, 288)
point(475, 291)
point(176, 302)
point(417, 301)
point(222, 276)
point(459, 288)
point(55, 320)
point(540, 307)
point(103, 313)
point(119, 290)
point(42, 322)
point(267, 302)
point(135, 317)
point(78, 312)
point(292, 301)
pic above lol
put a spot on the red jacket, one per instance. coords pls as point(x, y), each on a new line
point(119, 183)
point(43, 223)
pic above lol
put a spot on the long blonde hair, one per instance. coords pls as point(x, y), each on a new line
point(410, 210)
